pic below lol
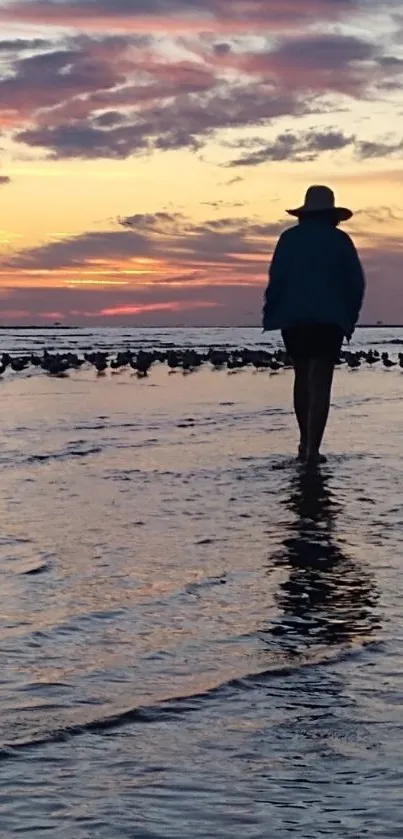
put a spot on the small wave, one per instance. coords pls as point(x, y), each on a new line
point(176, 706)
point(207, 541)
point(14, 541)
point(195, 588)
point(35, 569)
point(64, 455)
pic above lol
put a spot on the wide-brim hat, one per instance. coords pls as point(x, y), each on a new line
point(320, 199)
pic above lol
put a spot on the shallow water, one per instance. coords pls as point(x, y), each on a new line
point(197, 638)
point(118, 338)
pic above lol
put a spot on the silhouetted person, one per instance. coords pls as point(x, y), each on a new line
point(315, 292)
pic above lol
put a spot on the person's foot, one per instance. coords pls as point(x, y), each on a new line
point(315, 459)
point(301, 456)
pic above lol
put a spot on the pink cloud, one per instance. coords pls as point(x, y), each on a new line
point(143, 305)
point(114, 96)
point(174, 16)
point(318, 63)
point(174, 306)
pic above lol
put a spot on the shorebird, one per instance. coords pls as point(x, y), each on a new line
point(101, 364)
point(387, 362)
point(173, 362)
point(19, 364)
point(371, 358)
point(217, 358)
point(353, 361)
point(142, 364)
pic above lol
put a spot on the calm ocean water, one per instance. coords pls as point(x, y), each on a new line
point(198, 639)
point(118, 338)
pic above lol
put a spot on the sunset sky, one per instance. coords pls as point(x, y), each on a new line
point(150, 148)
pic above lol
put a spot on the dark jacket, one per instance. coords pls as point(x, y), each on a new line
point(315, 277)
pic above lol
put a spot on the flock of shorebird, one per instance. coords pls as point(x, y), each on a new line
point(188, 360)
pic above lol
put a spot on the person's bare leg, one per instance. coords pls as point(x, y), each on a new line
point(301, 403)
point(320, 388)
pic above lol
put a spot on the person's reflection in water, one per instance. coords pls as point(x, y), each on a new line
point(328, 597)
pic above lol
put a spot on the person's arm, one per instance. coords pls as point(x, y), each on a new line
point(275, 286)
point(354, 279)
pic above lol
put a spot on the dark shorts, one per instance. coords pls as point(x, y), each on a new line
point(316, 340)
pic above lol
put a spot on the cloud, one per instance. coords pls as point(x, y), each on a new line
point(123, 95)
point(118, 96)
point(302, 147)
point(221, 205)
point(216, 266)
point(17, 45)
point(78, 251)
point(367, 149)
point(380, 215)
point(174, 270)
point(144, 305)
point(178, 15)
point(224, 302)
point(45, 79)
point(320, 63)
point(142, 308)
point(183, 122)
point(170, 239)
point(307, 146)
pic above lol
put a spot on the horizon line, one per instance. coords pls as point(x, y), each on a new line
point(67, 326)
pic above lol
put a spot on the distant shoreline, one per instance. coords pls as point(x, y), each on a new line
point(67, 327)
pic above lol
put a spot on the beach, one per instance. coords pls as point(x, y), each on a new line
point(198, 638)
